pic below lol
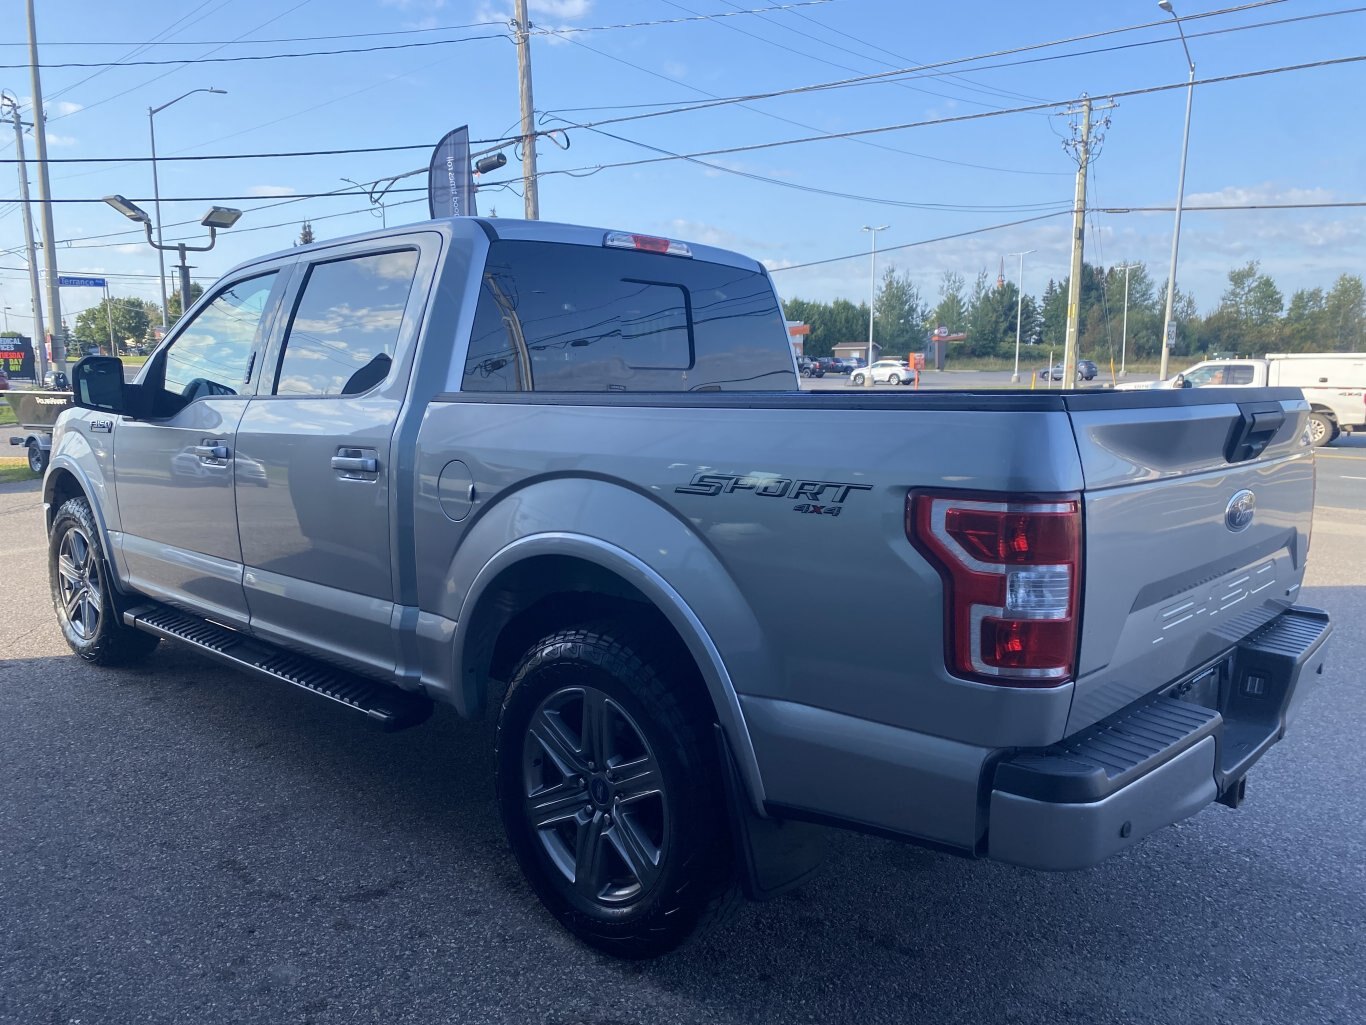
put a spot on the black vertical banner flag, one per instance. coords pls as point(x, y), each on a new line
point(450, 187)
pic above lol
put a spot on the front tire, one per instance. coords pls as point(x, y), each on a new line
point(858, 379)
point(82, 591)
point(610, 792)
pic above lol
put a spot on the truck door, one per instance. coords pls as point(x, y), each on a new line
point(175, 468)
point(317, 513)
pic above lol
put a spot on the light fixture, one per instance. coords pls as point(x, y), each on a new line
point(129, 209)
point(490, 163)
point(220, 217)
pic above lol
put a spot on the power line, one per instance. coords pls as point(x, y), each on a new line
point(263, 42)
point(921, 242)
point(978, 116)
point(418, 44)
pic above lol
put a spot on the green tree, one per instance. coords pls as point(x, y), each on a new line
point(1305, 319)
point(173, 307)
point(130, 318)
point(900, 314)
point(991, 318)
point(305, 234)
point(952, 311)
point(1344, 314)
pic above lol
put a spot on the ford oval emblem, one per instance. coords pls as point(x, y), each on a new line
point(1239, 511)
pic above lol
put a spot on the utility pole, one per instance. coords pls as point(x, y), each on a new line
point(1084, 153)
point(872, 300)
point(54, 299)
point(523, 30)
point(1019, 313)
point(39, 352)
point(1124, 334)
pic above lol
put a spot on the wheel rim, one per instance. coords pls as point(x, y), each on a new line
point(78, 582)
point(594, 796)
point(35, 459)
point(1317, 429)
point(858, 378)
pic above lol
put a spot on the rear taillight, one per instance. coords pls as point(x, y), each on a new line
point(1011, 569)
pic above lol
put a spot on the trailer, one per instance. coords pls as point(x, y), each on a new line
point(37, 413)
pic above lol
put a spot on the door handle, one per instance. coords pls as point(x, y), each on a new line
point(211, 451)
point(356, 464)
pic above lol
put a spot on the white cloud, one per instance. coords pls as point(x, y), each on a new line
point(675, 69)
point(64, 107)
point(1265, 193)
point(271, 190)
point(53, 139)
point(559, 8)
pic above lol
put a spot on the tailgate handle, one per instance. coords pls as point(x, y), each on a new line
point(1256, 425)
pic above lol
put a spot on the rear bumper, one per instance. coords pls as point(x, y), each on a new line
point(1076, 803)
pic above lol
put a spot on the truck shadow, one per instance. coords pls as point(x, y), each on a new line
point(388, 852)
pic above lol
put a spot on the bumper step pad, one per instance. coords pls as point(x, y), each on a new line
point(1100, 760)
point(386, 705)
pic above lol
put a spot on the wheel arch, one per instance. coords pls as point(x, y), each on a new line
point(66, 480)
point(543, 582)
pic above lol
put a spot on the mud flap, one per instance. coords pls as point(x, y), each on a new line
point(774, 855)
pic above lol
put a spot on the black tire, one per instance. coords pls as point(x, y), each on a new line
point(1322, 430)
point(37, 458)
point(632, 865)
point(894, 379)
point(83, 594)
point(858, 379)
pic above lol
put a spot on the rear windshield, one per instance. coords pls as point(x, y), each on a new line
point(554, 317)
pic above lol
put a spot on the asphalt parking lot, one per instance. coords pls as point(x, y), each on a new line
point(181, 844)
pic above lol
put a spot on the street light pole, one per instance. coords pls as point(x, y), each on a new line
point(1168, 327)
point(872, 300)
point(1124, 333)
point(156, 197)
point(1019, 312)
point(54, 296)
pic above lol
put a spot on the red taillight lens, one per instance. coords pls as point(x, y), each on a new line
point(1011, 569)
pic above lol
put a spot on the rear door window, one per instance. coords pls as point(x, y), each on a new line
point(554, 317)
point(342, 337)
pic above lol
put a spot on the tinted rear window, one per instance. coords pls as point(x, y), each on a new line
point(557, 317)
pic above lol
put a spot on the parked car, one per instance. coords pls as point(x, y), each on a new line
point(831, 365)
point(593, 544)
point(884, 371)
point(809, 367)
point(4, 381)
point(1086, 371)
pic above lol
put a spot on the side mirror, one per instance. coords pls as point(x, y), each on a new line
point(97, 382)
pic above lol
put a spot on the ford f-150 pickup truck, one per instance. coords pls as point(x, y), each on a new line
point(567, 476)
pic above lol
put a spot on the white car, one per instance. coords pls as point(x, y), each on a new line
point(884, 371)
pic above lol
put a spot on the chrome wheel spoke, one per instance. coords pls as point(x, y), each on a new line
point(555, 804)
point(639, 855)
point(588, 856)
point(67, 570)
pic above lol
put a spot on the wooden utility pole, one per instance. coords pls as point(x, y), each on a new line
point(1084, 153)
point(54, 300)
point(523, 27)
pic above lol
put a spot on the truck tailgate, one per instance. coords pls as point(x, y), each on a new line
point(1180, 562)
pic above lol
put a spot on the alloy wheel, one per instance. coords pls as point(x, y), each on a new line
point(82, 600)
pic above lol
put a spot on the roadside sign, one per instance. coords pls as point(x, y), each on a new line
point(68, 281)
point(16, 357)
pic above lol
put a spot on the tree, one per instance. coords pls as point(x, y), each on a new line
point(952, 311)
point(130, 317)
point(1344, 310)
point(991, 318)
point(173, 308)
point(900, 314)
point(305, 234)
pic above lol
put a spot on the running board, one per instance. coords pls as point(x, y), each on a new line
point(388, 706)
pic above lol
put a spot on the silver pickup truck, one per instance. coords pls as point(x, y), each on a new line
point(566, 475)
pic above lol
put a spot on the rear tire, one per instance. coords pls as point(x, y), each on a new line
point(1322, 430)
point(894, 379)
point(83, 594)
point(610, 791)
point(37, 458)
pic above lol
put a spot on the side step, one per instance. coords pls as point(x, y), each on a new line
point(388, 706)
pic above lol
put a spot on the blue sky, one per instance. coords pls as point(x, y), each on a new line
point(1284, 138)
